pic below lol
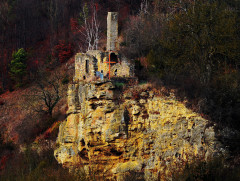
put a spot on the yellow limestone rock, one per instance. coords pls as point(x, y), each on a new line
point(127, 166)
point(153, 135)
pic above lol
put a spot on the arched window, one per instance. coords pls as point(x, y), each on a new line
point(113, 58)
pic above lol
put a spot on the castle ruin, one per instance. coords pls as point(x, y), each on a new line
point(96, 64)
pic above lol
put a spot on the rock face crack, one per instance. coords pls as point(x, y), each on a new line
point(148, 137)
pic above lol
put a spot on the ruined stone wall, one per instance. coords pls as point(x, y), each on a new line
point(115, 133)
point(123, 69)
point(97, 62)
point(80, 66)
point(102, 66)
point(112, 31)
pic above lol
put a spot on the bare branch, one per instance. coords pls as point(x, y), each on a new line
point(46, 94)
point(90, 28)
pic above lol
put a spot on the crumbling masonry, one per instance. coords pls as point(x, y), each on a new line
point(94, 64)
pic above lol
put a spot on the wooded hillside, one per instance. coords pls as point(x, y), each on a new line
point(38, 26)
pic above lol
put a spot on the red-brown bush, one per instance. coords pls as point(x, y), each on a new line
point(63, 51)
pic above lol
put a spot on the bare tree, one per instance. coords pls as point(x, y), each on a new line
point(144, 7)
point(142, 31)
point(46, 94)
point(89, 26)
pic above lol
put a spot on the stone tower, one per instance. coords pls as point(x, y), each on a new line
point(112, 31)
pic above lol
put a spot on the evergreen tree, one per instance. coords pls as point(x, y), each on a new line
point(18, 67)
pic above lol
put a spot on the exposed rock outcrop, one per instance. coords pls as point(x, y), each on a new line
point(115, 133)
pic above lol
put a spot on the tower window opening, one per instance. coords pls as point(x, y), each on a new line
point(113, 58)
point(87, 66)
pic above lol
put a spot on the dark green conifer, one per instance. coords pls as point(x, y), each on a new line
point(18, 67)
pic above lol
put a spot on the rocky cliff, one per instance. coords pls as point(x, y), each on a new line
point(114, 132)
